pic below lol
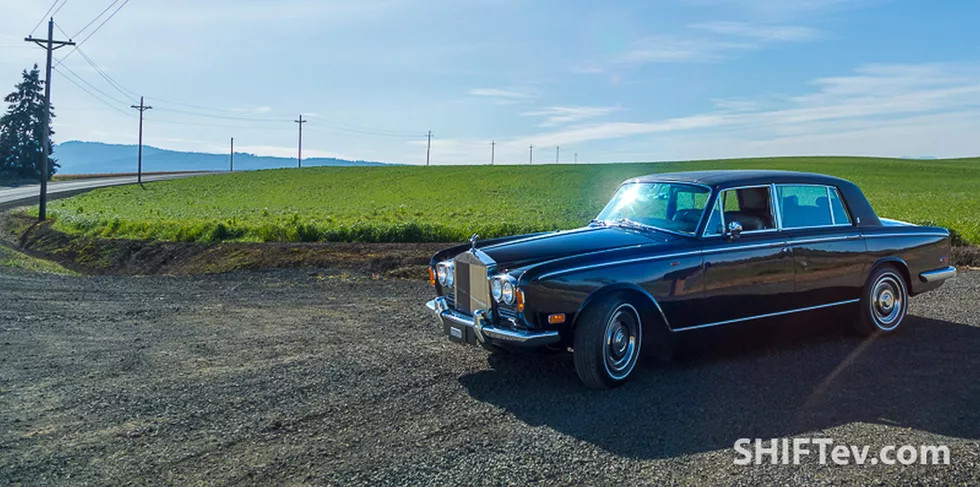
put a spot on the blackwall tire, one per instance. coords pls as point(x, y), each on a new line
point(884, 302)
point(608, 338)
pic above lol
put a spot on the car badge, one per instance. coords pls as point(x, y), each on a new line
point(473, 242)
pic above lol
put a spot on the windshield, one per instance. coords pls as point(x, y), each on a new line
point(667, 206)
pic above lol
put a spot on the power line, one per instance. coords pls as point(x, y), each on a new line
point(93, 95)
point(89, 24)
point(119, 87)
point(90, 85)
point(59, 8)
point(45, 16)
point(62, 31)
point(89, 36)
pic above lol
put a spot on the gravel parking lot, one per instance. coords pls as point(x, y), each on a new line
point(302, 377)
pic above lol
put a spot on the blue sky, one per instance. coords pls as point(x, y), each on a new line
point(610, 81)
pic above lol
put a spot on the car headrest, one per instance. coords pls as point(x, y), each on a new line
point(823, 203)
point(754, 198)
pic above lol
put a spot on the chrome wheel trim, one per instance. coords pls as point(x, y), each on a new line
point(888, 301)
point(621, 341)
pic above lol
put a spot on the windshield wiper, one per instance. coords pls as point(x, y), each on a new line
point(596, 221)
point(626, 222)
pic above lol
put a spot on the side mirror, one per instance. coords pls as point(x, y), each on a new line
point(734, 230)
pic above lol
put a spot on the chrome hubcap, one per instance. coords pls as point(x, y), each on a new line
point(622, 341)
point(887, 306)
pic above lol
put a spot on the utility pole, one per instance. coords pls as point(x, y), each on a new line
point(139, 164)
point(231, 165)
point(299, 158)
point(557, 152)
point(49, 45)
point(576, 158)
point(493, 147)
point(530, 157)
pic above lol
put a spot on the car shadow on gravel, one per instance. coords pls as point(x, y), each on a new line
point(763, 383)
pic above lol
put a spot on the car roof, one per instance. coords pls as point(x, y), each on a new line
point(738, 177)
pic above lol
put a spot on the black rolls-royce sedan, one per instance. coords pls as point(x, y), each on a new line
point(685, 251)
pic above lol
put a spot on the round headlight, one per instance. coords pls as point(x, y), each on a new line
point(441, 273)
point(450, 275)
point(495, 288)
point(507, 292)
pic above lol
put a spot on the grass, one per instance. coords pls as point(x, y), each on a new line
point(431, 204)
point(11, 258)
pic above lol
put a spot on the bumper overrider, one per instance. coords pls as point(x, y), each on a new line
point(477, 329)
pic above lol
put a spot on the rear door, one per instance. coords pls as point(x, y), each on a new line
point(829, 252)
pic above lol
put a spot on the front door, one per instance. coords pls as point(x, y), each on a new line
point(751, 274)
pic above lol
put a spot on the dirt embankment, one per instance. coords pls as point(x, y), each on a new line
point(102, 256)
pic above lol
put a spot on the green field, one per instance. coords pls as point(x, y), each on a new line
point(390, 204)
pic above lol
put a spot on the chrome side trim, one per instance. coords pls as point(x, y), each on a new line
point(938, 274)
point(768, 315)
point(924, 234)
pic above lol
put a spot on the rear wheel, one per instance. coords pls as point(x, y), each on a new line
point(884, 302)
point(607, 342)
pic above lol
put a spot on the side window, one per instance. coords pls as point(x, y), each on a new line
point(804, 206)
point(837, 206)
point(750, 207)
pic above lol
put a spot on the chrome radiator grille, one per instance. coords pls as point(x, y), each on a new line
point(472, 287)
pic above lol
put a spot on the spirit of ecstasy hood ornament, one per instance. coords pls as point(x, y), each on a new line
point(473, 242)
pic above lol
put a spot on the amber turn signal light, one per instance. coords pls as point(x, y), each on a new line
point(432, 277)
point(556, 319)
point(520, 299)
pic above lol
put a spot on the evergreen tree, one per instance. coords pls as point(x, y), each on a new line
point(21, 130)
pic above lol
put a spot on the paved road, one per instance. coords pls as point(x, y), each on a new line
point(302, 377)
point(23, 195)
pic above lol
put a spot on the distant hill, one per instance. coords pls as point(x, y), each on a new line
point(76, 157)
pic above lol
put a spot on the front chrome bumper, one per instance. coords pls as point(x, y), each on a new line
point(938, 274)
point(460, 327)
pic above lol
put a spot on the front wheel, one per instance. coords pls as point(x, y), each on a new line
point(884, 302)
point(607, 342)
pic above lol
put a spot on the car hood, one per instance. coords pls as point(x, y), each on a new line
point(538, 248)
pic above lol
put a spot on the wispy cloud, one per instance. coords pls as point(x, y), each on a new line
point(498, 93)
point(762, 32)
point(558, 115)
point(670, 49)
point(875, 96)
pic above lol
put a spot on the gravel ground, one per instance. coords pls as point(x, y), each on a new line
point(299, 377)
